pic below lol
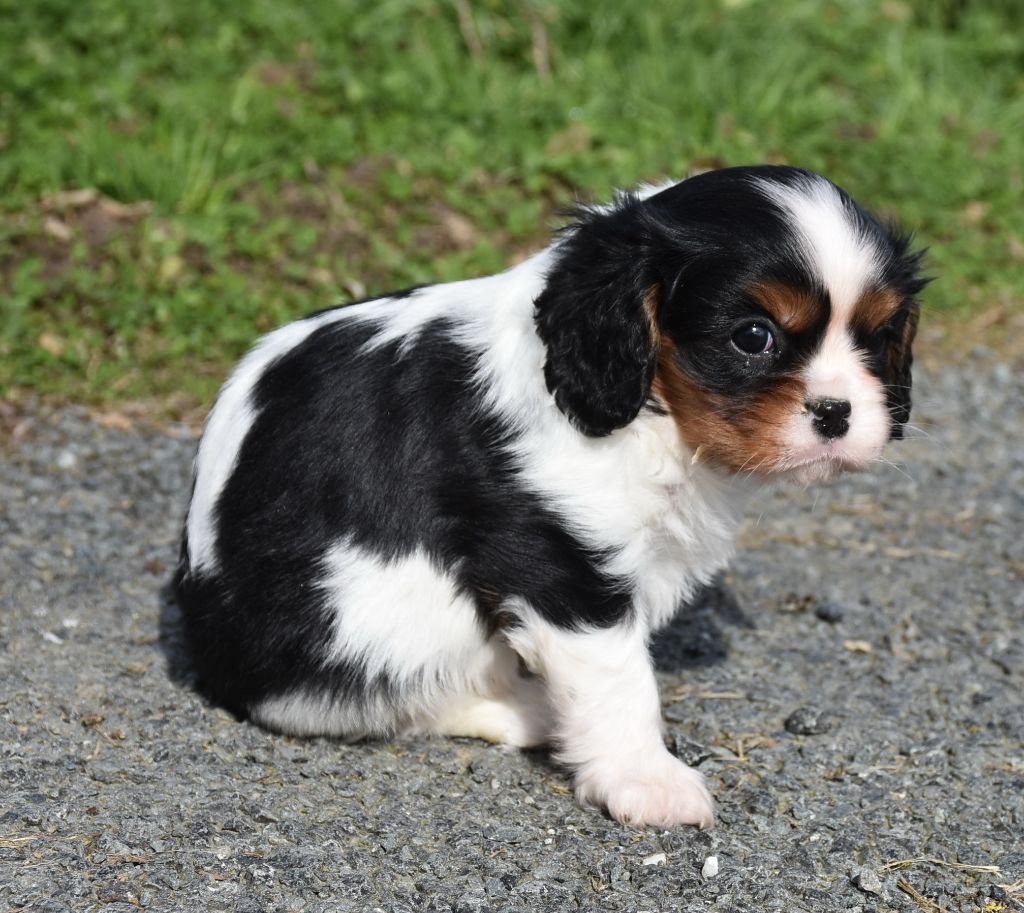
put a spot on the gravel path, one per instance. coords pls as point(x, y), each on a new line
point(853, 690)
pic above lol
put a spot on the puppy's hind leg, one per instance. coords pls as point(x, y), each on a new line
point(506, 707)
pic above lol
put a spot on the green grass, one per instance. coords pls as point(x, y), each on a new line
point(278, 157)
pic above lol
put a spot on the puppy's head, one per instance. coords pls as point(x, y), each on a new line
point(761, 308)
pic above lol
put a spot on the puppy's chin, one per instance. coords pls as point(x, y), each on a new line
point(823, 469)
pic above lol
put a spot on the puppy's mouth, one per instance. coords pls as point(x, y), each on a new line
point(822, 466)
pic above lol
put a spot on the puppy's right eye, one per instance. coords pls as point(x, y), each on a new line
point(753, 339)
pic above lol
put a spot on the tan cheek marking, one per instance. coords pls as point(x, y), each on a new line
point(742, 438)
point(874, 308)
point(793, 309)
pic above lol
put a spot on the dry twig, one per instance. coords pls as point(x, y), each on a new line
point(923, 902)
point(467, 26)
point(931, 860)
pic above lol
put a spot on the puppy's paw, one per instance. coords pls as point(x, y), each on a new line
point(660, 791)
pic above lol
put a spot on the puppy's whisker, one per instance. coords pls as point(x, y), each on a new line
point(919, 434)
point(895, 466)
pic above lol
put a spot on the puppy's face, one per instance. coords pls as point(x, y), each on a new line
point(776, 319)
point(778, 377)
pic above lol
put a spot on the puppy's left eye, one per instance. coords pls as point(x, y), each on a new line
point(753, 339)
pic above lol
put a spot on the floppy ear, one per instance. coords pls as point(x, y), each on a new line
point(906, 269)
point(597, 318)
point(898, 362)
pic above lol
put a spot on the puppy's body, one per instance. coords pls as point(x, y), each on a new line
point(401, 503)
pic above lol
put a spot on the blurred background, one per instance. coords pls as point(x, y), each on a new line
point(176, 178)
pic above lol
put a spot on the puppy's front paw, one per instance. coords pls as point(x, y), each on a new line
point(660, 791)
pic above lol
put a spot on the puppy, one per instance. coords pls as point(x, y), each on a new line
point(463, 508)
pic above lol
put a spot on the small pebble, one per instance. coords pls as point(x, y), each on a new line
point(688, 751)
point(830, 612)
point(654, 859)
point(867, 880)
point(808, 721)
point(710, 868)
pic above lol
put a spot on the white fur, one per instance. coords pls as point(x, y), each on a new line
point(668, 524)
point(842, 258)
point(403, 619)
point(307, 713)
point(647, 190)
point(518, 714)
point(837, 371)
point(478, 692)
point(608, 722)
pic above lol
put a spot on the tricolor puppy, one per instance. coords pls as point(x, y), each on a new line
point(463, 509)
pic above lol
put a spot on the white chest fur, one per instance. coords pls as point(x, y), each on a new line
point(667, 523)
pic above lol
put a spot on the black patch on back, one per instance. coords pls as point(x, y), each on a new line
point(394, 454)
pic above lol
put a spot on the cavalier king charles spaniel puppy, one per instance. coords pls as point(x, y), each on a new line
point(464, 508)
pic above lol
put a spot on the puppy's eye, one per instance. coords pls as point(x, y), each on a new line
point(753, 339)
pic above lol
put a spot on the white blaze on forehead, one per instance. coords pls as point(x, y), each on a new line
point(840, 254)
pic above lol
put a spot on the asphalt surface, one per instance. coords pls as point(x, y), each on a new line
point(854, 691)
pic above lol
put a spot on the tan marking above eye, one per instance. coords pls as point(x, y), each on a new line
point(874, 308)
point(793, 309)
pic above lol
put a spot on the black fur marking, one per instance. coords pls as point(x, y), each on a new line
point(591, 318)
point(902, 271)
point(350, 445)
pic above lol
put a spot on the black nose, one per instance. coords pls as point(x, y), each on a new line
point(831, 417)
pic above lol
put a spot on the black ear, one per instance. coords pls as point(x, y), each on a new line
point(597, 318)
point(898, 355)
point(898, 361)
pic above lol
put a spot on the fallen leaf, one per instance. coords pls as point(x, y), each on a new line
point(51, 343)
point(974, 212)
point(115, 209)
point(1016, 247)
point(459, 228)
point(116, 421)
point(71, 199)
point(171, 267)
point(574, 139)
point(55, 228)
